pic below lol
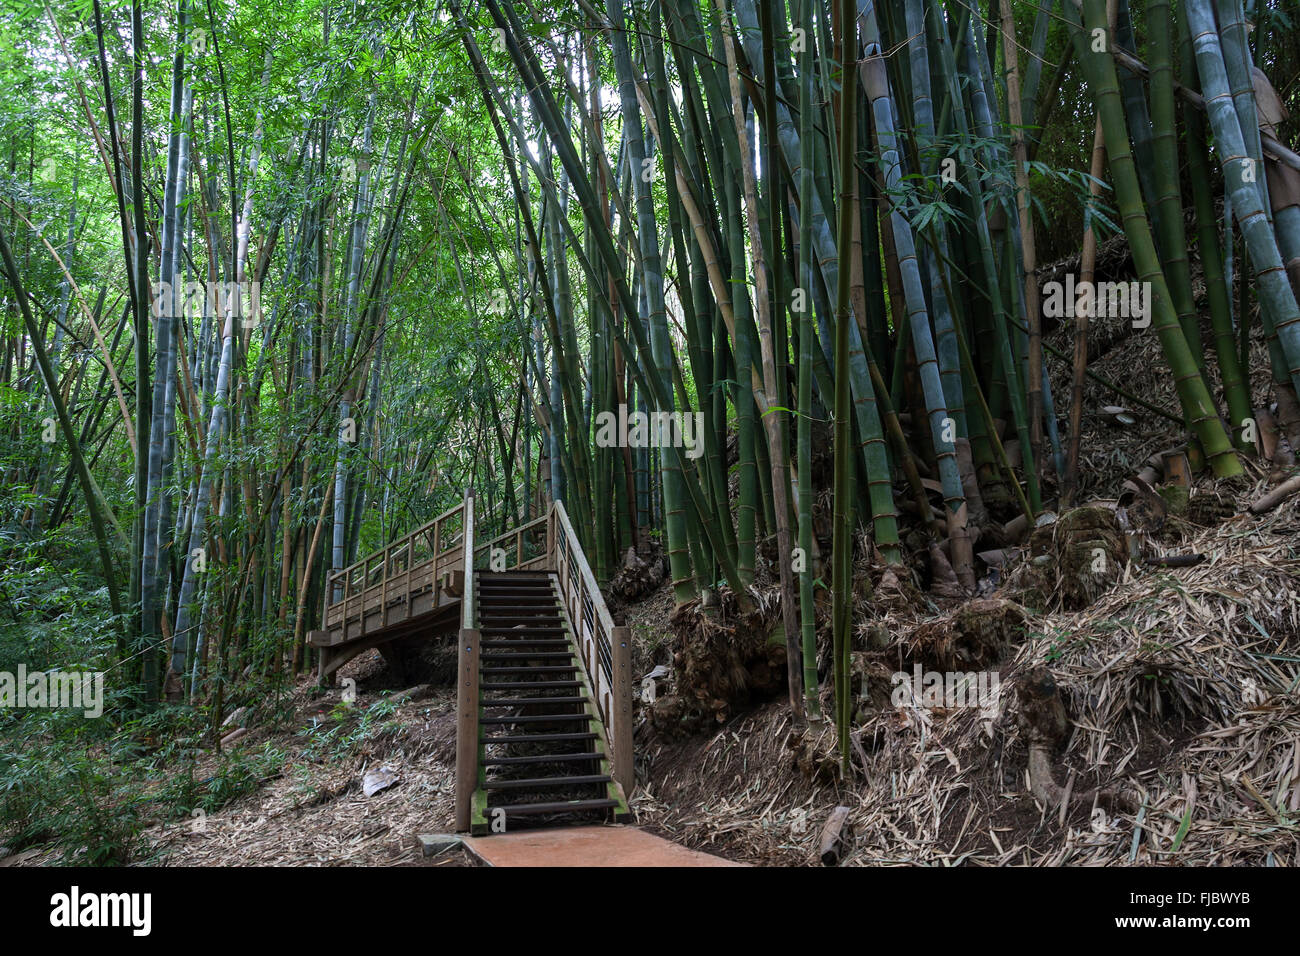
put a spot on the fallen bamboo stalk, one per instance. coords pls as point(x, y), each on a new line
point(1176, 560)
point(1276, 496)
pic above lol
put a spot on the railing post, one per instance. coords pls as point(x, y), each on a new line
point(620, 641)
point(466, 726)
point(383, 592)
point(433, 560)
point(467, 676)
point(410, 563)
point(347, 600)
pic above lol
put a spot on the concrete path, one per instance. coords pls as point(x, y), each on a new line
point(587, 846)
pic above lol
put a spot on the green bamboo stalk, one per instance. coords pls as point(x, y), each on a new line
point(1171, 239)
point(1194, 396)
point(942, 429)
point(866, 415)
point(95, 503)
point(842, 536)
point(807, 335)
point(652, 280)
point(1235, 388)
point(1004, 377)
point(1241, 173)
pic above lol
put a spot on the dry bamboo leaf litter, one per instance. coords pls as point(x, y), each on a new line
point(1180, 684)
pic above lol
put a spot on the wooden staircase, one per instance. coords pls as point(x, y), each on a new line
point(544, 684)
point(542, 747)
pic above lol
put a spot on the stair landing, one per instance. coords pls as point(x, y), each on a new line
point(587, 846)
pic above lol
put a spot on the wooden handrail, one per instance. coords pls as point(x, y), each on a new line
point(606, 650)
point(434, 524)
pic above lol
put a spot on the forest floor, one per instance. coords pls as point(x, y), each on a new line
point(314, 810)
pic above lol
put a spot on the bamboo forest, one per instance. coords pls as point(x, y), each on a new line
point(465, 433)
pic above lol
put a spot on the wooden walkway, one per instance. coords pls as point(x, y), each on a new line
point(587, 846)
point(413, 586)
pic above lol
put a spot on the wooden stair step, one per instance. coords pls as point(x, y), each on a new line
point(540, 669)
point(520, 611)
point(561, 807)
point(536, 738)
point(498, 621)
point(546, 758)
point(543, 642)
point(539, 719)
point(528, 656)
point(534, 782)
point(528, 684)
point(520, 631)
point(529, 701)
point(503, 609)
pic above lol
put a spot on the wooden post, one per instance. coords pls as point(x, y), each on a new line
point(347, 596)
point(620, 641)
point(467, 681)
point(433, 560)
point(466, 726)
point(383, 591)
point(410, 566)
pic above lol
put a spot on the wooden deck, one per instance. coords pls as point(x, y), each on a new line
point(412, 586)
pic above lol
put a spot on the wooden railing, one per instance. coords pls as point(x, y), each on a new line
point(467, 769)
point(525, 548)
point(410, 566)
point(606, 650)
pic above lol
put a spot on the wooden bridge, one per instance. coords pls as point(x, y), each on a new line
point(544, 683)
